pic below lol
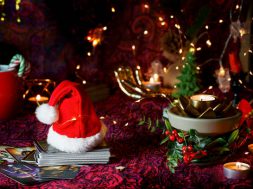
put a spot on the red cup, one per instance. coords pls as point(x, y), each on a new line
point(9, 92)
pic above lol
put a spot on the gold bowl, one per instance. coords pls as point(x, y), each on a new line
point(208, 127)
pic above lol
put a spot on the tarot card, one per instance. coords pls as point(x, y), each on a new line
point(23, 173)
point(18, 153)
point(58, 172)
point(5, 157)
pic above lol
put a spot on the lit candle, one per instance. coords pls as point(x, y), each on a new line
point(203, 101)
point(250, 147)
point(202, 97)
point(236, 170)
point(38, 99)
point(153, 83)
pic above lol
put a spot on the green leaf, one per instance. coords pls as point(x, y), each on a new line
point(234, 135)
point(153, 129)
point(217, 142)
point(157, 123)
point(168, 125)
point(141, 122)
point(164, 140)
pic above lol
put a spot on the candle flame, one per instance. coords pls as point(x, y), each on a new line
point(38, 97)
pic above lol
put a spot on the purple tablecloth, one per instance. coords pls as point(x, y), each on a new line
point(135, 148)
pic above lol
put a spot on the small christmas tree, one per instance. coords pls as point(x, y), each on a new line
point(188, 83)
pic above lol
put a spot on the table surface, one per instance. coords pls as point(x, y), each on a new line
point(135, 148)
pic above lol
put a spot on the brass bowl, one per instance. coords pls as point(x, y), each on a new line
point(208, 127)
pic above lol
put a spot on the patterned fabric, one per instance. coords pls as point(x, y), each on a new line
point(135, 148)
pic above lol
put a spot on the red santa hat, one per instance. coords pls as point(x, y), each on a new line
point(75, 125)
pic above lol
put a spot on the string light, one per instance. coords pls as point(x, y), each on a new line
point(17, 7)
point(113, 9)
point(145, 32)
point(220, 21)
point(88, 53)
point(208, 42)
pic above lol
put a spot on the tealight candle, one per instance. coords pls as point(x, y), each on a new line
point(203, 101)
point(38, 99)
point(250, 147)
point(236, 170)
point(153, 84)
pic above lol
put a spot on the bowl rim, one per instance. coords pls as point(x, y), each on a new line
point(238, 114)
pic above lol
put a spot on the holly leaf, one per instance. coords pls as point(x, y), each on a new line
point(217, 142)
point(234, 135)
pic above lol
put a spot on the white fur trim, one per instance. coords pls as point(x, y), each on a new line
point(73, 145)
point(47, 114)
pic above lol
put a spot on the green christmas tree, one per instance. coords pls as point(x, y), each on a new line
point(188, 83)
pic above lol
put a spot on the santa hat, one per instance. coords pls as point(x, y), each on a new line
point(75, 125)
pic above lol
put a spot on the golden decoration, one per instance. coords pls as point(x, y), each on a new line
point(131, 82)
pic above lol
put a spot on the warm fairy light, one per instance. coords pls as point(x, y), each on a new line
point(84, 82)
point(220, 21)
point(177, 26)
point(165, 70)
point(105, 28)
point(160, 18)
point(250, 73)
point(95, 42)
point(138, 67)
point(192, 49)
point(180, 51)
point(237, 6)
point(246, 153)
point(89, 38)
point(208, 42)
point(78, 67)
point(221, 72)
point(183, 57)
point(88, 53)
point(175, 86)
point(126, 124)
point(250, 51)
point(17, 4)
point(210, 87)
point(2, 19)
point(207, 27)
point(242, 31)
point(18, 20)
point(145, 32)
point(101, 117)
point(113, 9)
point(146, 6)
point(198, 49)
point(198, 68)
point(114, 122)
point(244, 54)
point(192, 44)
point(171, 16)
point(163, 23)
point(177, 67)
point(133, 47)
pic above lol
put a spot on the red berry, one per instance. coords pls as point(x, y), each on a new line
point(186, 159)
point(167, 132)
point(172, 138)
point(203, 152)
point(184, 152)
point(184, 148)
point(180, 140)
point(190, 148)
point(174, 132)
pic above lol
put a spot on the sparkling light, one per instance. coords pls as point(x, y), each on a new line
point(207, 27)
point(113, 9)
point(88, 53)
point(78, 67)
point(145, 32)
point(208, 42)
point(220, 21)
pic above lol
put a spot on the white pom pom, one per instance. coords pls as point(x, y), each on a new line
point(47, 114)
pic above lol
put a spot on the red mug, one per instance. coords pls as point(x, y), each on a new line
point(10, 93)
